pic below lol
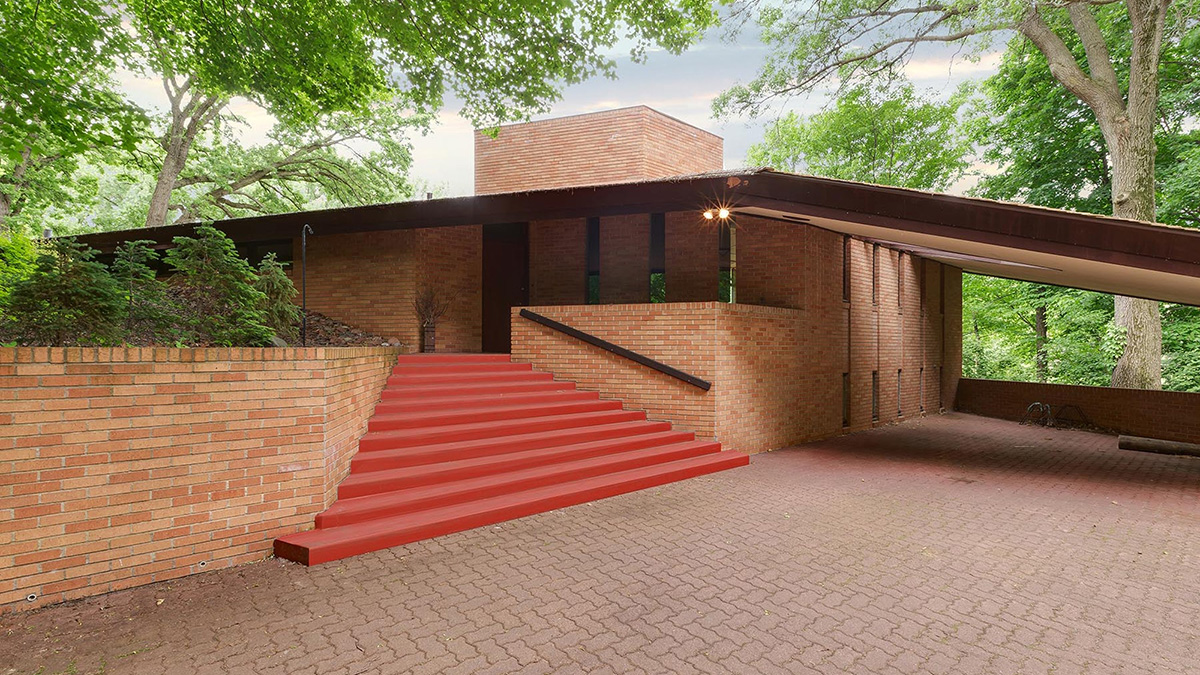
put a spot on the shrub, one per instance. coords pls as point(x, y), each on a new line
point(149, 312)
point(66, 299)
point(279, 311)
point(216, 290)
point(17, 255)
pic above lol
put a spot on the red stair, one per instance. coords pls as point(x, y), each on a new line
point(465, 440)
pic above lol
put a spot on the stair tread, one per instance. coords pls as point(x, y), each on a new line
point(506, 424)
point(513, 443)
point(614, 457)
point(500, 459)
point(379, 533)
point(447, 412)
point(422, 390)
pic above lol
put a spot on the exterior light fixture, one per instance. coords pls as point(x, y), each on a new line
point(723, 213)
point(708, 215)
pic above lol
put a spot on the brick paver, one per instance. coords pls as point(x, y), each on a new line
point(954, 544)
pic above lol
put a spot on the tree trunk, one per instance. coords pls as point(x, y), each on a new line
point(1127, 121)
point(191, 112)
point(5, 211)
point(1039, 322)
point(1131, 145)
point(173, 160)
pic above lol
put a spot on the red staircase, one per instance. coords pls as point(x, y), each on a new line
point(461, 441)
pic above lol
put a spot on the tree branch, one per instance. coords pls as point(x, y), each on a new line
point(1098, 57)
point(1065, 69)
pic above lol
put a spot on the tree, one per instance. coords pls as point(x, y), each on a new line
point(149, 312)
point(279, 310)
point(891, 137)
point(303, 60)
point(858, 40)
point(57, 96)
point(67, 299)
point(320, 162)
point(216, 290)
point(1051, 152)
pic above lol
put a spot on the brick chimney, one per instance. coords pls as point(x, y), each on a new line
point(612, 146)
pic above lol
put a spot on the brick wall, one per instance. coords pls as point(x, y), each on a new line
point(771, 259)
point(777, 372)
point(1171, 415)
point(368, 280)
point(558, 262)
point(625, 259)
point(612, 146)
point(121, 467)
point(692, 260)
point(680, 335)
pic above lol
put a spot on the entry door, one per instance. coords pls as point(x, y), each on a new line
point(505, 281)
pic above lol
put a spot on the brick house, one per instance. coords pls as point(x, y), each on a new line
point(846, 307)
point(755, 308)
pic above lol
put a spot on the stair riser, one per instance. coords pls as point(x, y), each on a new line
point(467, 379)
point(387, 539)
point(459, 368)
point(435, 419)
point(394, 459)
point(402, 392)
point(367, 487)
point(417, 437)
point(622, 460)
point(464, 402)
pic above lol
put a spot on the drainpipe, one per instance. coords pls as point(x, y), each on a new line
point(304, 232)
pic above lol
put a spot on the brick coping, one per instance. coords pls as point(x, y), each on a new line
point(183, 355)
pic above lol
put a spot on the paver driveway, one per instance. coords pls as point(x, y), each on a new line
point(954, 544)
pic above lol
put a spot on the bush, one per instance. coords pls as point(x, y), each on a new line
point(17, 255)
point(279, 311)
point(66, 299)
point(149, 314)
point(216, 289)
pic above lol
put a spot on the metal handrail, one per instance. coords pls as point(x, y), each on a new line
point(615, 349)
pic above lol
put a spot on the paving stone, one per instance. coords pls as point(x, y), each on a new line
point(953, 544)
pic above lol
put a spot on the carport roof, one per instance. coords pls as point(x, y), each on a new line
point(997, 238)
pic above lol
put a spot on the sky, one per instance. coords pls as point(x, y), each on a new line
point(682, 86)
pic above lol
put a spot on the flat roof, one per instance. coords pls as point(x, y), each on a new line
point(1003, 239)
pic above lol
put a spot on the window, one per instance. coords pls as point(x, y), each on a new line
point(658, 257)
point(899, 394)
point(254, 251)
point(875, 274)
point(874, 395)
point(845, 268)
point(593, 261)
point(727, 253)
point(921, 391)
point(845, 399)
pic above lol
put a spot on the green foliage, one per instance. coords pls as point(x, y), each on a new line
point(149, 311)
point(300, 60)
point(279, 311)
point(56, 90)
point(67, 299)
point(17, 255)
point(888, 137)
point(216, 287)
point(1000, 339)
point(1049, 145)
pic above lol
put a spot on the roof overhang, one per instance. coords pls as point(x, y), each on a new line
point(996, 238)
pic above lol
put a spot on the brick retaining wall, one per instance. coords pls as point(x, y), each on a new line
point(121, 467)
point(1173, 415)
